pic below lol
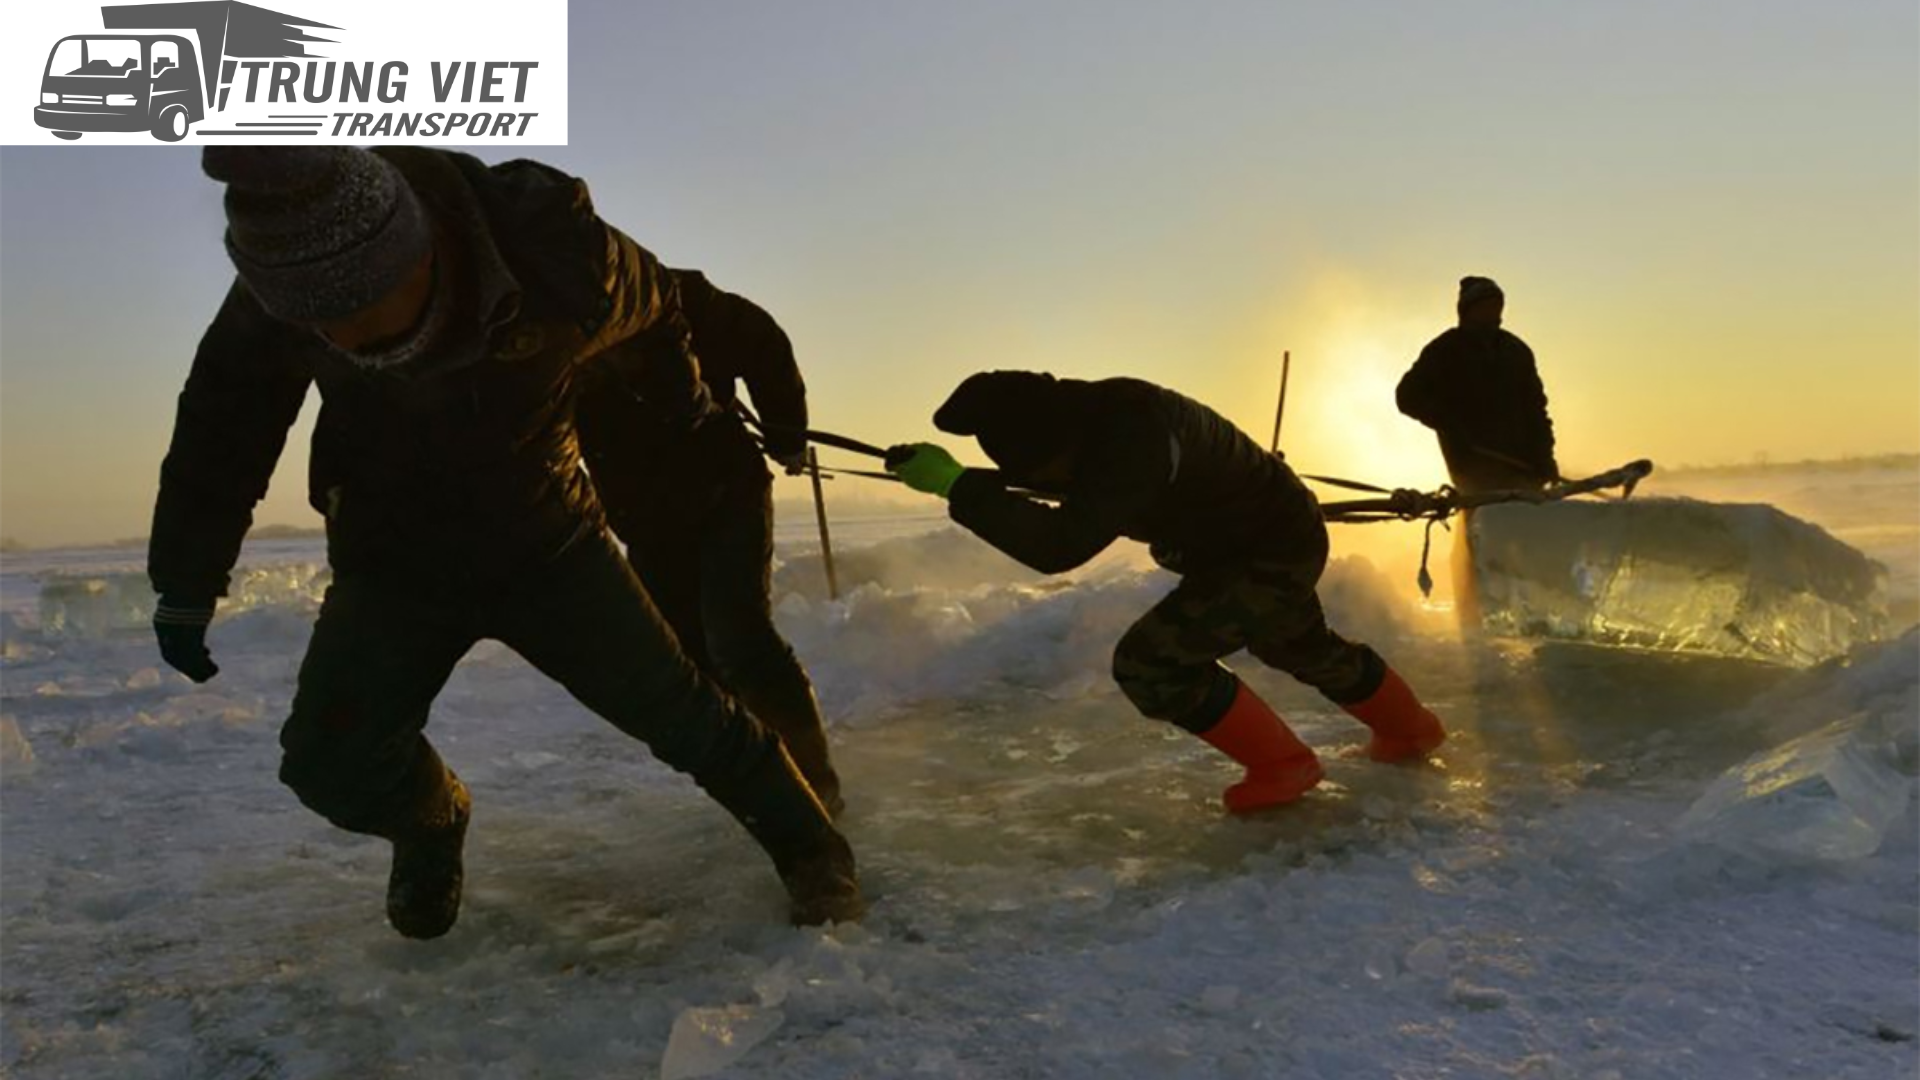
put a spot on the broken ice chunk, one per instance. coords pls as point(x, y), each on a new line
point(706, 1040)
point(16, 753)
point(1828, 795)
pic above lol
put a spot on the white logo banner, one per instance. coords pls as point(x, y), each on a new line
point(303, 71)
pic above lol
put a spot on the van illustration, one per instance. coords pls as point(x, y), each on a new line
point(162, 82)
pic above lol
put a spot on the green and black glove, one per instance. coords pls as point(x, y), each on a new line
point(924, 467)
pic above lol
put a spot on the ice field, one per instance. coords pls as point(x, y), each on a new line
point(1626, 864)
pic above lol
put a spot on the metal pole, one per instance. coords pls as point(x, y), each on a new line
point(1286, 367)
point(820, 511)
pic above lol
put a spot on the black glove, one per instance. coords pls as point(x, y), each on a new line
point(181, 627)
point(789, 454)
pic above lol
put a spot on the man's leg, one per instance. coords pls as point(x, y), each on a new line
point(588, 624)
point(1168, 665)
point(666, 556)
point(750, 657)
point(353, 749)
point(1296, 639)
point(1292, 634)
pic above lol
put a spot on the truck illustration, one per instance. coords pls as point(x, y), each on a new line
point(164, 81)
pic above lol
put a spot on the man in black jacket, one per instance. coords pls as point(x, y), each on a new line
point(695, 509)
point(445, 308)
point(1122, 457)
point(1477, 387)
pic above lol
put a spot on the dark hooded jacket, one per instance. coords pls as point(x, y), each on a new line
point(1151, 465)
point(651, 473)
point(1478, 388)
point(464, 466)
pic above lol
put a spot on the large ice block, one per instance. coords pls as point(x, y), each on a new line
point(1735, 580)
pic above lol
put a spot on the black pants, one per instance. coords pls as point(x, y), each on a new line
point(707, 561)
point(710, 570)
point(383, 648)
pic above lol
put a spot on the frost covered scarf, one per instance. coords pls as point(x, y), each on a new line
point(428, 331)
point(473, 292)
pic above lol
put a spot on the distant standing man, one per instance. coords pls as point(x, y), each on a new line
point(1123, 457)
point(696, 511)
point(1477, 387)
point(444, 308)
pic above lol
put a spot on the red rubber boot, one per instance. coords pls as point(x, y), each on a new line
point(1403, 729)
point(1280, 768)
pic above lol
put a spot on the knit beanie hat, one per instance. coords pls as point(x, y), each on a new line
point(1023, 419)
point(320, 232)
point(1475, 289)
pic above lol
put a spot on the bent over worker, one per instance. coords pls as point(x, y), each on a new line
point(1123, 457)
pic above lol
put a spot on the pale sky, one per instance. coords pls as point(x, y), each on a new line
point(1706, 217)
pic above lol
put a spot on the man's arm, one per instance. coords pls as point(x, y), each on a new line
point(1119, 479)
point(735, 336)
point(241, 397)
point(644, 310)
point(1050, 539)
point(1535, 425)
point(639, 330)
point(1429, 389)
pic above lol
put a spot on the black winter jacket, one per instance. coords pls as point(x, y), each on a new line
point(1479, 390)
point(1156, 467)
point(655, 475)
point(464, 466)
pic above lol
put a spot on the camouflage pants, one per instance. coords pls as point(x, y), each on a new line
point(1168, 663)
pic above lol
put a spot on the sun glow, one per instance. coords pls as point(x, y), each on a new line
point(1341, 418)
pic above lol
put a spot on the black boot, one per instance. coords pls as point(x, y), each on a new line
point(423, 889)
point(813, 860)
point(825, 888)
point(791, 709)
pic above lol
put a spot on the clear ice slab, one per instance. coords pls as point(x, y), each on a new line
point(1736, 580)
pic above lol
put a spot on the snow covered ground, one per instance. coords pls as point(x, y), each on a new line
point(1056, 893)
